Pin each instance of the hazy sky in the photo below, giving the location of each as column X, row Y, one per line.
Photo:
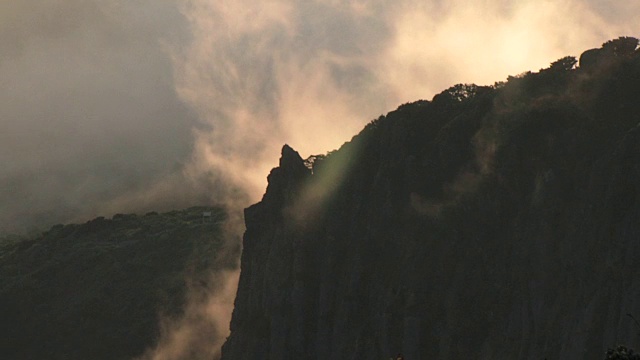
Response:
column 131, row 105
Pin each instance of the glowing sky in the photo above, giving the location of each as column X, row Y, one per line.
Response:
column 118, row 106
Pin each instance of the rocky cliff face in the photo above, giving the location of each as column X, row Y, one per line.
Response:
column 491, row 223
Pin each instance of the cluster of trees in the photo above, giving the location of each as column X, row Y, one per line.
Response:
column 97, row 290
column 620, row 47
column 621, row 353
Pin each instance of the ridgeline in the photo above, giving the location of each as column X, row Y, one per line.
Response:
column 492, row 222
column 99, row 290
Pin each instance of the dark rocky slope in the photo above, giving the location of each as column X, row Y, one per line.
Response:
column 494, row 222
column 98, row 290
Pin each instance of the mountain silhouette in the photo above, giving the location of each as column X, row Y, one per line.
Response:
column 491, row 222
column 99, row 290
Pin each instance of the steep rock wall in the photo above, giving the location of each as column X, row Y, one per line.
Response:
column 489, row 223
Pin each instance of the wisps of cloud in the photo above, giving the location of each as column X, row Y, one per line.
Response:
column 129, row 106
column 311, row 74
column 204, row 326
column 88, row 109
column 116, row 106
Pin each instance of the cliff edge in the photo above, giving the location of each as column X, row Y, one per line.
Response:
column 497, row 222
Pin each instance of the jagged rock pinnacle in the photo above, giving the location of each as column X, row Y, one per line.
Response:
column 290, row 157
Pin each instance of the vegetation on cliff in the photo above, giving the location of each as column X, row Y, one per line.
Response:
column 98, row 290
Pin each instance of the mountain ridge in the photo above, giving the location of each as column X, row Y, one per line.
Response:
column 490, row 222
column 109, row 288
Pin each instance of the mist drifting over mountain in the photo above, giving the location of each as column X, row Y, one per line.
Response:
column 116, row 107
column 490, row 222
column 111, row 106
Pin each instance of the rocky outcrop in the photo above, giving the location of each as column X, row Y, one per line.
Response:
column 490, row 223
column 593, row 59
column 264, row 291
